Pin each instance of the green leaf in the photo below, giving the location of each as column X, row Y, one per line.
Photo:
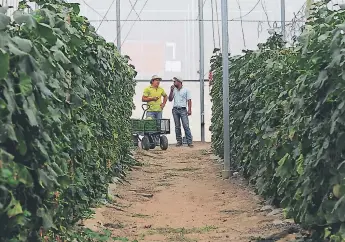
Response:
column 43, row 88
column 3, row 10
column 50, row 15
column 75, row 7
column 15, row 210
column 14, row 50
column 64, row 181
column 323, row 76
column 4, row 21
column 3, row 109
column 4, row 63
column 45, row 180
column 23, row 44
column 333, row 125
column 4, row 39
column 7, row 132
column 46, row 219
column 5, row 156
column 21, row 142
column 30, row 113
column 47, row 32
column 59, row 56
column 57, row 169
column 41, row 149
column 21, row 17
column 25, row 84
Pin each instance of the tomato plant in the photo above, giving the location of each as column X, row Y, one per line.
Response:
column 65, row 106
column 287, row 129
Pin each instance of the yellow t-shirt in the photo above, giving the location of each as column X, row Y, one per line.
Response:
column 150, row 91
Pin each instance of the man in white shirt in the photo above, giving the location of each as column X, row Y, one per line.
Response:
column 182, row 108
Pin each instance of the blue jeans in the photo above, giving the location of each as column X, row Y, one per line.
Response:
column 181, row 115
column 154, row 115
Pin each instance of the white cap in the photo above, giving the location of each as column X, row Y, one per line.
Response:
column 155, row 77
column 177, row 79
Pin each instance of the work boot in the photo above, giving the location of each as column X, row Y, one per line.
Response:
column 190, row 145
column 178, row 144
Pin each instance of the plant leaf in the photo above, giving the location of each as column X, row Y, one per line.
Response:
column 4, row 63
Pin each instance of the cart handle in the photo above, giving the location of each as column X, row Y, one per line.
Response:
column 145, row 104
column 145, row 109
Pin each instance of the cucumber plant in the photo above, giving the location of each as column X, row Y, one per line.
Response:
column 65, row 106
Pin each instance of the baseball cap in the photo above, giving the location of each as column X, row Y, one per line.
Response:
column 177, row 79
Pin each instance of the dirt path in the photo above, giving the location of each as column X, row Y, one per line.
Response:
column 179, row 195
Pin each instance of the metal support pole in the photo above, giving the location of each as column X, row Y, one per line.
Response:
column 282, row 7
column 118, row 25
column 201, row 69
column 225, row 55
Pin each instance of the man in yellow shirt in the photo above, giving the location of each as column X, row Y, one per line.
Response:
column 153, row 96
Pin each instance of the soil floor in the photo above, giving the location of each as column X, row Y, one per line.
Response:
column 179, row 195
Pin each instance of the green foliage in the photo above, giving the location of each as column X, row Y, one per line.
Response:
column 65, row 106
column 91, row 236
column 287, row 121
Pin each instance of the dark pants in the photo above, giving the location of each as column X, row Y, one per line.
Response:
column 181, row 115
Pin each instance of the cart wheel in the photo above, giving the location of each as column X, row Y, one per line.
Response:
column 164, row 142
column 145, row 143
column 152, row 142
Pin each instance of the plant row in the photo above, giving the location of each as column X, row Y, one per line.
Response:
column 65, row 106
column 287, row 121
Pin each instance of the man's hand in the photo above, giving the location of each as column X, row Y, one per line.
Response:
column 189, row 112
column 155, row 98
column 172, row 87
column 162, row 105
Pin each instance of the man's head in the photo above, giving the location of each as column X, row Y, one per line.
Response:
column 178, row 82
column 155, row 80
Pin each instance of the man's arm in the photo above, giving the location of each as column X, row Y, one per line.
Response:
column 165, row 99
column 190, row 107
column 171, row 95
column 189, row 101
column 146, row 97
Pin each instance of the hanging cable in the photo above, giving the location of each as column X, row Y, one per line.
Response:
column 132, row 6
column 244, row 39
column 134, row 23
column 250, row 11
column 214, row 39
column 105, row 15
column 203, row 5
column 263, row 5
column 92, row 9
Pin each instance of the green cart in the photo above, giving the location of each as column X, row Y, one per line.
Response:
column 151, row 132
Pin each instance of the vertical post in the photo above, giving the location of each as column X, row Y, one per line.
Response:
column 225, row 59
column 282, row 8
column 201, row 69
column 186, row 38
column 118, row 25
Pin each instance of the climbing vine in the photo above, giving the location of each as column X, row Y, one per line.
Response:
column 287, row 129
column 65, row 104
